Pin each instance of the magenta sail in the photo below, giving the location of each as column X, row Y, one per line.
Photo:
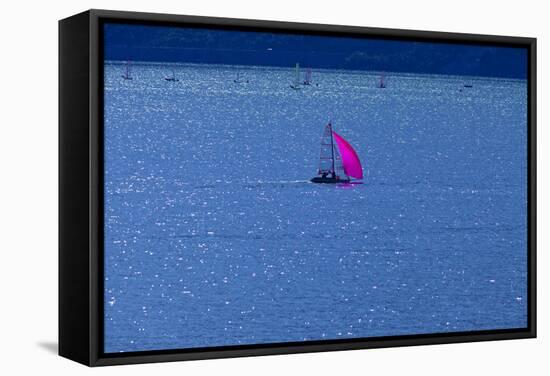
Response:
column 350, row 160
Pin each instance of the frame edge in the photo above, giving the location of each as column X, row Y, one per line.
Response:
column 73, row 257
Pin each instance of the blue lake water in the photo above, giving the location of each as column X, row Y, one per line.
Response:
column 214, row 235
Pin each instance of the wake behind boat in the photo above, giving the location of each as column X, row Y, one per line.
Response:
column 338, row 161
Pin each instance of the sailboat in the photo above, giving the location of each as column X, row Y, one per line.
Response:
column 296, row 84
column 338, row 162
column 127, row 75
column 382, row 82
column 238, row 79
column 307, row 77
column 171, row 78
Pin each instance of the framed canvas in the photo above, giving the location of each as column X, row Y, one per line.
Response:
column 236, row 187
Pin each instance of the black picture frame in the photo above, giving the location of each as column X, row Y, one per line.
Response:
column 81, row 188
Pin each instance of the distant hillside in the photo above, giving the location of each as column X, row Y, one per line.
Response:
column 170, row 44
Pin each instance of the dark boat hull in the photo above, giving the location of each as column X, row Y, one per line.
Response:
column 327, row 180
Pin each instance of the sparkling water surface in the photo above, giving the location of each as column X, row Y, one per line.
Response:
column 214, row 235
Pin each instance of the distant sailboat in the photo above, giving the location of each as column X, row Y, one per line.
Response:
column 296, row 84
column 381, row 82
column 307, row 77
column 171, row 78
column 238, row 79
column 338, row 162
column 127, row 75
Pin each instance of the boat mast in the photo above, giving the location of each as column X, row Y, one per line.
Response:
column 332, row 148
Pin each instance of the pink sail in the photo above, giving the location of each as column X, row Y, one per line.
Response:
column 350, row 160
